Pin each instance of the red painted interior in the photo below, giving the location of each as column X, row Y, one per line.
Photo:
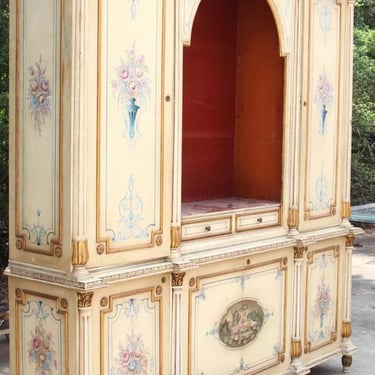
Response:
column 260, row 93
column 209, row 103
column 232, row 103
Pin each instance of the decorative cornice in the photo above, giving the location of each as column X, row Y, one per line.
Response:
column 178, row 278
column 80, row 253
column 84, row 299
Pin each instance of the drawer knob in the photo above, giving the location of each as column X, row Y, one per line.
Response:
column 208, row 228
column 259, row 220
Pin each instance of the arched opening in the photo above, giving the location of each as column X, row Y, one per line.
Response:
column 233, row 95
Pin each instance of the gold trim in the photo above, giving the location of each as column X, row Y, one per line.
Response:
column 346, row 330
column 299, row 251
column 64, row 304
column 21, row 238
column 178, row 278
column 293, row 218
column 58, row 251
column 84, row 299
column 156, row 235
column 175, row 237
column 21, row 301
column 103, row 301
column 296, row 349
column 80, row 252
column 109, row 309
column 346, row 210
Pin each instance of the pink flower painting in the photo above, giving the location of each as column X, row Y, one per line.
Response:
column 131, row 78
column 322, row 304
column 132, row 359
column 131, row 87
column 39, row 94
column 323, row 97
column 41, row 352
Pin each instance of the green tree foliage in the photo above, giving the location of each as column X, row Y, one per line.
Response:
column 4, row 125
column 363, row 145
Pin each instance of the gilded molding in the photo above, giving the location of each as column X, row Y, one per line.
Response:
column 58, row 251
column 346, row 330
column 19, row 293
column 192, row 282
column 298, row 251
column 80, row 253
column 175, row 237
column 84, row 299
column 178, row 278
column 296, row 349
column 104, row 302
column 346, row 210
column 332, row 209
column 158, row 240
column 100, row 248
column 19, row 245
column 293, row 219
column 64, row 303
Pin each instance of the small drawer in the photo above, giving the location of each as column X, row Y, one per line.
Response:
column 257, row 220
column 206, row 228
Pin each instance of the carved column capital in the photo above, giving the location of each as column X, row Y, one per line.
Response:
column 298, row 251
column 178, row 278
column 349, row 240
column 84, row 299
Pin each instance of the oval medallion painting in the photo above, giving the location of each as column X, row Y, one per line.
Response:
column 241, row 323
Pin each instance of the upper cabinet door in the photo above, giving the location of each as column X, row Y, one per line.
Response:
column 36, row 120
column 133, row 174
column 323, row 113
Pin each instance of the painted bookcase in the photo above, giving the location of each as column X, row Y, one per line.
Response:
column 180, row 186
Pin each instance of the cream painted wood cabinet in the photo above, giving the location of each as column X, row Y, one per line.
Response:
column 180, row 186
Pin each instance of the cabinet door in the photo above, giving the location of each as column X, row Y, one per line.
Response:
column 133, row 126
column 238, row 318
column 134, row 326
column 323, row 96
column 322, row 298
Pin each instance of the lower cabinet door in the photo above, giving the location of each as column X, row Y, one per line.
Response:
column 134, row 327
column 323, row 302
column 238, row 317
